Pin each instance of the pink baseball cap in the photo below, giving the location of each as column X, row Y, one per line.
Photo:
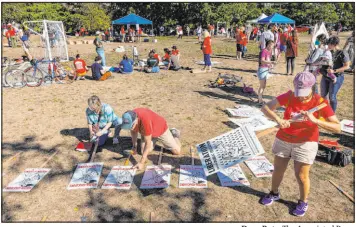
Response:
column 303, row 83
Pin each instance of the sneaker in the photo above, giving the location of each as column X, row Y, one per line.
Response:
column 301, row 209
column 175, row 132
column 115, row 141
column 268, row 199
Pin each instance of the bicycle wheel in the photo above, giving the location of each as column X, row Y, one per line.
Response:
column 33, row 77
column 15, row 78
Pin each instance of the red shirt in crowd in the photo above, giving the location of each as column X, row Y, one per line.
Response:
column 238, row 36
column 255, row 30
column 79, row 65
column 139, row 30
column 12, row 32
column 166, row 56
column 207, row 43
column 156, row 56
column 283, row 38
column 175, row 52
column 243, row 38
column 305, row 131
column 122, row 31
column 149, row 123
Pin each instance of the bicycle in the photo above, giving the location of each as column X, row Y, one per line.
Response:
column 36, row 74
column 12, row 71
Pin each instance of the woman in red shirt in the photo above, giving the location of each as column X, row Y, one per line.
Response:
column 298, row 136
column 207, row 51
column 123, row 33
column 243, row 43
column 292, row 51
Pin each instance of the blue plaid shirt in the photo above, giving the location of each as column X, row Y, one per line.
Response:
column 107, row 115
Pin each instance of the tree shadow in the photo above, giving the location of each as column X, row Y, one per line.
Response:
column 107, row 213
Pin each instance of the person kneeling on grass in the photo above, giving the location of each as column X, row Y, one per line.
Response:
column 298, row 139
column 173, row 62
column 101, row 118
column 152, row 64
column 97, row 70
column 167, row 56
column 152, row 127
column 80, row 68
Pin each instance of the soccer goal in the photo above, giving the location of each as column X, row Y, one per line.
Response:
column 47, row 39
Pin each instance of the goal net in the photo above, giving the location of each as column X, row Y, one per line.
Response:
column 47, row 40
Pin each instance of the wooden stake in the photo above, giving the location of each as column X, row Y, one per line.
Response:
column 266, row 132
column 94, row 151
column 127, row 161
column 160, row 156
column 342, row 191
column 49, row 159
column 192, row 155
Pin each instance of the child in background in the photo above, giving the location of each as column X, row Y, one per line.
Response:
column 166, row 58
column 80, row 68
column 175, row 51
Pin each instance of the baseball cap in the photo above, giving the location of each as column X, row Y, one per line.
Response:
column 127, row 119
column 303, row 83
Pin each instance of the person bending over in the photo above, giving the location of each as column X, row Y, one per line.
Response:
column 152, row 128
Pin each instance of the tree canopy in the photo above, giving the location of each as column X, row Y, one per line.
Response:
column 98, row 16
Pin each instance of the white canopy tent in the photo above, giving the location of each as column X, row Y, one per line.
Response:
column 255, row 21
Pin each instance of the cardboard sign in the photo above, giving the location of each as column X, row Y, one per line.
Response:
column 244, row 112
column 120, row 177
column 348, row 126
column 257, row 123
column 26, row 180
column 156, row 177
column 86, row 175
column 192, row 177
column 260, row 166
column 233, row 176
column 229, row 149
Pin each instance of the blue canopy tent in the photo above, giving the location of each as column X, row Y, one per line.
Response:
column 276, row 18
column 132, row 19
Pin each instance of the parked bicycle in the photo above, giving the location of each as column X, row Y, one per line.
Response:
column 46, row 72
column 12, row 72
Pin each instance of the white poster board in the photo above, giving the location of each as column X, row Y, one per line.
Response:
column 86, row 175
column 120, row 177
column 244, row 111
column 260, row 166
column 233, row 176
column 257, row 123
column 156, row 177
column 229, row 149
column 26, row 180
column 348, row 126
column 192, row 177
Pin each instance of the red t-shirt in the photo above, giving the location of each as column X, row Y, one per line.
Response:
column 122, row 31
column 150, row 123
column 166, row 56
column 238, row 36
column 305, row 131
column 175, row 52
column 284, row 38
column 139, row 31
column 207, row 43
column 243, row 37
column 12, row 32
column 7, row 34
column 156, row 56
column 255, row 30
column 79, row 65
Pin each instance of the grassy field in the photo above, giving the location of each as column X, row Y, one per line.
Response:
column 36, row 122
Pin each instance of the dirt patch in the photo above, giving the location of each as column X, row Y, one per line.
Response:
column 33, row 119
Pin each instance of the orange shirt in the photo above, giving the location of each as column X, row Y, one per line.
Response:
column 122, row 31
column 80, row 65
column 156, row 56
column 166, row 56
column 175, row 52
column 207, row 43
column 243, row 41
column 140, row 31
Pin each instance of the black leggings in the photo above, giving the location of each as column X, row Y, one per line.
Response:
column 291, row 60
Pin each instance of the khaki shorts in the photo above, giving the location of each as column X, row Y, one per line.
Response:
column 300, row 152
column 167, row 140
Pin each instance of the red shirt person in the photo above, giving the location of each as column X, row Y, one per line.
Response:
column 298, row 136
column 80, row 67
column 152, row 127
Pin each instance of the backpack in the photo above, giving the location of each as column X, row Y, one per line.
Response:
column 340, row 158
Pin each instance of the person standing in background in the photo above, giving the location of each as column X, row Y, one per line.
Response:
column 292, row 52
